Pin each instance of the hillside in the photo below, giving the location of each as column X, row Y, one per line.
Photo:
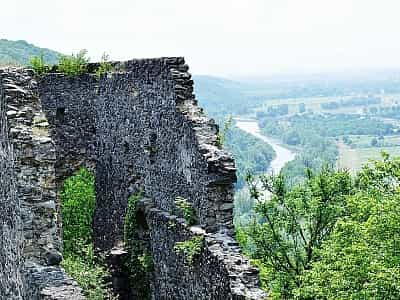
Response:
column 20, row 52
column 219, row 96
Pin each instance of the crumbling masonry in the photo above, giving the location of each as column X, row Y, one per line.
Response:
column 138, row 127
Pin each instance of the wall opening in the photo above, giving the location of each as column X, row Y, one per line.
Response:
column 60, row 114
column 139, row 262
column 78, row 201
column 151, row 148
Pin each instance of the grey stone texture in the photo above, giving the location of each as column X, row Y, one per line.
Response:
column 11, row 284
column 28, row 195
column 138, row 127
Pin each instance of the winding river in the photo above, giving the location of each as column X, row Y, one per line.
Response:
column 283, row 155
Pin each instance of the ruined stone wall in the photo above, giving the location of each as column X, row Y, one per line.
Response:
column 30, row 241
column 11, row 285
column 138, row 127
column 219, row 271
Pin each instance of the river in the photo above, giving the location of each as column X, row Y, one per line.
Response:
column 283, row 155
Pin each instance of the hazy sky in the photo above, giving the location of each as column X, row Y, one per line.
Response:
column 217, row 37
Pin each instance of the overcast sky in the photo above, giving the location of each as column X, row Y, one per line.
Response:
column 217, row 37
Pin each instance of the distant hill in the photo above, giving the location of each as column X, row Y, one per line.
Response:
column 20, row 52
column 220, row 96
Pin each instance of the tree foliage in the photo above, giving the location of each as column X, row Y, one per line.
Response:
column 294, row 222
column 332, row 237
column 78, row 201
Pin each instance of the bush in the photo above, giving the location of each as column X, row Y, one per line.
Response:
column 77, row 205
column 73, row 65
column 88, row 272
column 186, row 209
column 105, row 66
column 38, row 65
column 190, row 248
column 78, row 201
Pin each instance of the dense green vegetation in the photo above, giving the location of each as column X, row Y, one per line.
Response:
column 20, row 53
column 71, row 65
column 77, row 207
column 274, row 111
column 39, row 65
column 332, row 237
column 74, row 64
column 139, row 264
column 327, row 125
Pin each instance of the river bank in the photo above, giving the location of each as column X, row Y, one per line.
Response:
column 283, row 155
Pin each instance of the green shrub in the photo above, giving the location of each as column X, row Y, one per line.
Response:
column 88, row 272
column 75, row 64
column 78, row 202
column 38, row 65
column 105, row 66
column 186, row 209
column 190, row 248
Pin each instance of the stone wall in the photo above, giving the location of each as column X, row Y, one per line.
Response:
column 219, row 271
column 11, row 285
column 138, row 127
column 30, row 239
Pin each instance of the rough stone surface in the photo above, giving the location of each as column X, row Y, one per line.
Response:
column 11, row 285
column 50, row 283
column 219, row 271
column 28, row 196
column 138, row 127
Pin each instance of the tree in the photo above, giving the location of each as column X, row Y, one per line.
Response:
column 294, row 223
column 293, row 138
column 361, row 258
column 332, row 237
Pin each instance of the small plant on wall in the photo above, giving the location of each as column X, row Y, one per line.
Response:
column 105, row 66
column 190, row 248
column 75, row 64
column 186, row 209
column 39, row 65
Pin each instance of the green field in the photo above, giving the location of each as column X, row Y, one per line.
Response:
column 364, row 141
column 354, row 158
column 314, row 104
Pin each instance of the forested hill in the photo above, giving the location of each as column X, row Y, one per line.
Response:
column 219, row 96
column 20, row 52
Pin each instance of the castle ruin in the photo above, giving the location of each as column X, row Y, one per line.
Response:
column 137, row 128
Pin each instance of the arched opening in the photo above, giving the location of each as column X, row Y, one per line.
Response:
column 124, row 272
